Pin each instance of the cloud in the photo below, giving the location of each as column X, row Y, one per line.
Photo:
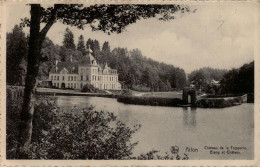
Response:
column 218, row 35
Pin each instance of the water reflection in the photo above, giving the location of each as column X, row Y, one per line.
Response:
column 163, row 127
column 189, row 117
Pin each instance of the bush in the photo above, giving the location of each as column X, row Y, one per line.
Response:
column 13, row 107
column 91, row 89
column 79, row 134
column 141, row 88
column 154, row 155
column 152, row 101
column 85, row 134
column 218, row 102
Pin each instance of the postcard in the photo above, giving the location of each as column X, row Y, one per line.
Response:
column 129, row 83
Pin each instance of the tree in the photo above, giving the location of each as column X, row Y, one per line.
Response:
column 105, row 52
column 106, row 18
column 89, row 43
column 96, row 51
column 81, row 44
column 237, row 81
column 68, row 40
column 198, row 79
column 49, row 53
column 17, row 49
column 95, row 47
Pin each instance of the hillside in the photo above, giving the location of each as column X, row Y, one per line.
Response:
column 135, row 70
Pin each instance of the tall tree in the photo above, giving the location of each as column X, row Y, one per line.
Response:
column 68, row 40
column 49, row 53
column 237, row 81
column 105, row 53
column 95, row 47
column 17, row 49
column 90, row 44
column 110, row 18
column 96, row 51
column 81, row 44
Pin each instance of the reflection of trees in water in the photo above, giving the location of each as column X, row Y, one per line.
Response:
column 189, row 117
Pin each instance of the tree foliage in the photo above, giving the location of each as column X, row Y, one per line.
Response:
column 80, row 133
column 95, row 47
column 16, row 52
column 85, row 134
column 81, row 45
column 49, row 53
column 135, row 69
column 68, row 40
column 237, row 81
column 202, row 78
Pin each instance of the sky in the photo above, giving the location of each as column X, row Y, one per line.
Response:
column 217, row 35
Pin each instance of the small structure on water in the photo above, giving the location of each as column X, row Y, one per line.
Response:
column 189, row 92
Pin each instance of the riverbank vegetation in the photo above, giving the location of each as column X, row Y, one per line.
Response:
column 91, row 89
column 218, row 102
column 223, row 82
column 238, row 81
column 151, row 101
column 77, row 134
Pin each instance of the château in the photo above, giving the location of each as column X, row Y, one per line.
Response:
column 75, row 74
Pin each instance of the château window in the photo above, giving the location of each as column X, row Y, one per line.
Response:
column 75, row 78
column 54, row 77
column 57, row 84
column 63, row 78
column 81, row 77
column 57, row 77
column 68, row 78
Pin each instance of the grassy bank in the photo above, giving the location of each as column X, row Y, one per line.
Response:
column 151, row 101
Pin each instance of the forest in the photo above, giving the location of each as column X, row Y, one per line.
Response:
column 234, row 81
column 135, row 70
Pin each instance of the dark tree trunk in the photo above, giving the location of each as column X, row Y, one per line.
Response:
column 31, row 82
column 35, row 42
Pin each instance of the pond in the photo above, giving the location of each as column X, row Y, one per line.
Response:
column 197, row 130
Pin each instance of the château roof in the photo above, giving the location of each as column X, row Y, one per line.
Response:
column 71, row 67
column 87, row 60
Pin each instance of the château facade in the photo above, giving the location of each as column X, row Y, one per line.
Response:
column 75, row 75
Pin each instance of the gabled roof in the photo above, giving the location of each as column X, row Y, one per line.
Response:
column 71, row 67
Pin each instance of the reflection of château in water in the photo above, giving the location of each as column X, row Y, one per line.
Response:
column 74, row 74
column 189, row 117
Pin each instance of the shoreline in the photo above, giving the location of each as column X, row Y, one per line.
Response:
column 76, row 94
column 151, row 99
